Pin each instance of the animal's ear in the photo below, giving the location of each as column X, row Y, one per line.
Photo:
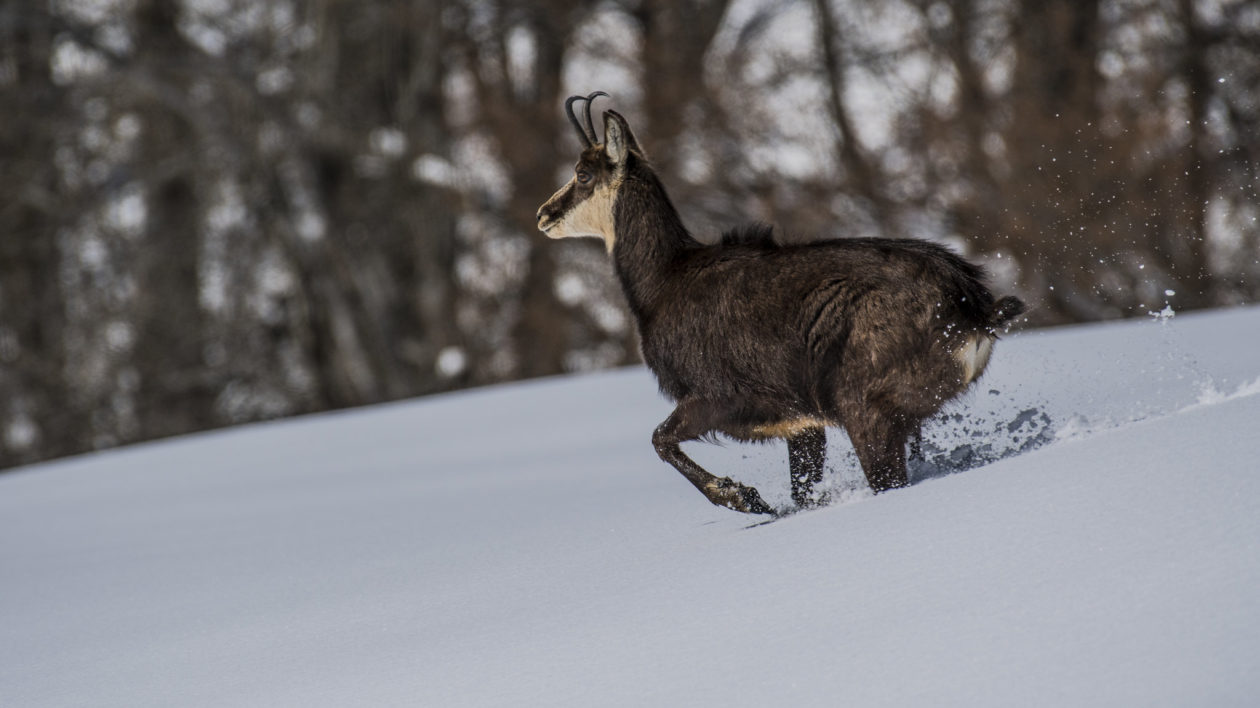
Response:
column 618, row 140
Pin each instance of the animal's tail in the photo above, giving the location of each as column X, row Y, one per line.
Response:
column 1005, row 310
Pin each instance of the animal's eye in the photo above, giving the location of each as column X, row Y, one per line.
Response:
column 583, row 177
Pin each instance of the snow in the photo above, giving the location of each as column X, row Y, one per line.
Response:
column 522, row 545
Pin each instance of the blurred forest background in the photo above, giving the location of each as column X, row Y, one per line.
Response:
column 221, row 211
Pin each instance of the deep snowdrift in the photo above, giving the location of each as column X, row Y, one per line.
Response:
column 1085, row 532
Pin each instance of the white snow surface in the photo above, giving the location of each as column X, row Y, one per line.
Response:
column 1085, row 532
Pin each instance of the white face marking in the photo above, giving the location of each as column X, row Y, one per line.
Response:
column 592, row 217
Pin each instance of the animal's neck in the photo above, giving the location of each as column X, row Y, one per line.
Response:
column 650, row 236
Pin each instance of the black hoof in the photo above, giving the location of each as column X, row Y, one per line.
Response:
column 754, row 503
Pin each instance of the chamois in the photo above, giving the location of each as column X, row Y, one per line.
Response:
column 756, row 340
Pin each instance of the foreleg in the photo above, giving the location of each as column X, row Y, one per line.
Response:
column 691, row 420
column 807, row 451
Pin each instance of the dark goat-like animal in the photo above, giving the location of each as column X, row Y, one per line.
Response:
column 755, row 340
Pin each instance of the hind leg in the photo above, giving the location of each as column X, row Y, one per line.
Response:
column 807, row 451
column 692, row 419
column 880, row 443
column 916, row 443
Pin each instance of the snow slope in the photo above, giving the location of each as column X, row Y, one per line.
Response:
column 1085, row 532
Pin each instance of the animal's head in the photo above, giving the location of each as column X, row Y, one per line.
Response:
column 584, row 206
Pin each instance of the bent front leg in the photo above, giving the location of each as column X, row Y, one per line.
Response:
column 807, row 451
column 689, row 421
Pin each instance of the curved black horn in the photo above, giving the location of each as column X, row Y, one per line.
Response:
column 586, row 132
column 568, row 108
column 590, row 125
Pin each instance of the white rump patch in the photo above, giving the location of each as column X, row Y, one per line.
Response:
column 974, row 356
